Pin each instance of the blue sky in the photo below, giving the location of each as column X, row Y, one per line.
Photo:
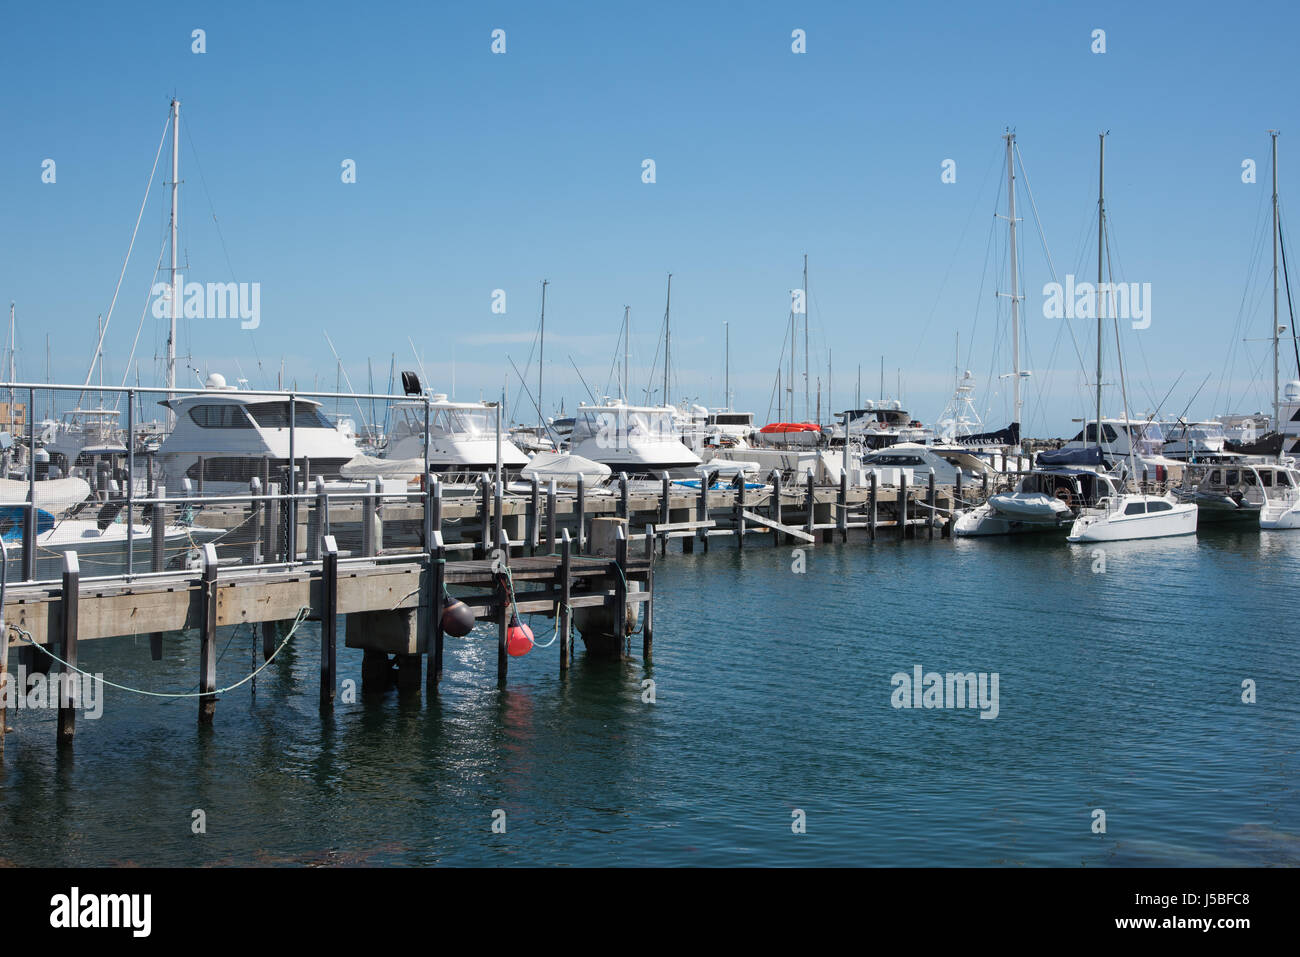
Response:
column 478, row 172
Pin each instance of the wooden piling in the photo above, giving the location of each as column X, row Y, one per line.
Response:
column 774, row 506
column 703, row 514
column 648, row 609
column 68, row 647
column 329, row 620
column 931, row 501
column 208, row 638
column 738, row 518
column 664, row 509
column 620, row 586
column 562, row 611
column 485, row 506
column 810, row 499
column 901, row 509
column 158, row 557
column 503, row 619
column 498, row 514
column 622, row 495
column 872, row 498
column 843, row 521
column 552, row 517
column 437, row 602
column 534, row 519
column 369, row 547
column 582, row 514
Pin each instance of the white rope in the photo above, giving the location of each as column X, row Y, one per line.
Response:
column 302, row 616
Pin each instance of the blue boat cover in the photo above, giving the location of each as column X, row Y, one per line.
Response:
column 12, row 519
column 1089, row 456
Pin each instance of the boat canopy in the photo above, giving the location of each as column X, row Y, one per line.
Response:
column 1092, row 455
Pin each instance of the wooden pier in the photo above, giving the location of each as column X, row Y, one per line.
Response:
column 375, row 569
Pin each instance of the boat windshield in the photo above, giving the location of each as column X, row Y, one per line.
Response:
column 631, row 425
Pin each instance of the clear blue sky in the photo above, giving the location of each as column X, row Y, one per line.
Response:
column 478, row 171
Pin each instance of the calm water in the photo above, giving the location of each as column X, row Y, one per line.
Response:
column 1119, row 690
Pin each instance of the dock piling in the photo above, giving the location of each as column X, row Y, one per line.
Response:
column 329, row 619
column 158, row 556
column 68, row 646
column 438, row 576
column 208, row 638
column 563, row 613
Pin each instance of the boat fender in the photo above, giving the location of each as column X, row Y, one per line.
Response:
column 457, row 619
column 519, row 638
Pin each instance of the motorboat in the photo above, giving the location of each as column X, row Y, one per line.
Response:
column 462, row 436
column 631, row 438
column 224, row 437
column 100, row 543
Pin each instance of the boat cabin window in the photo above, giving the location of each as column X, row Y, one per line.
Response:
column 1284, row 480
column 1159, row 507
column 907, row 461
column 275, row 415
column 730, row 418
column 616, row 424
column 1135, row 508
column 1216, row 477
column 1089, row 435
column 1232, row 478
column 225, row 416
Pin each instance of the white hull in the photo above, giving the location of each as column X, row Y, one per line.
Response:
column 104, row 552
column 1114, row 525
column 1280, row 519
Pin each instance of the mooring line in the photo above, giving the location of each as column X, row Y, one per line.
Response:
column 302, row 616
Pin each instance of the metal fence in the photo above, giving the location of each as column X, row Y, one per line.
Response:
column 261, row 474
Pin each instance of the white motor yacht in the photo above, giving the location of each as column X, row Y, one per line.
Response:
column 631, row 438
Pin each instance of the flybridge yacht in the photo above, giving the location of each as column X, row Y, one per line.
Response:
column 462, row 436
column 83, row 441
column 631, row 438
column 1119, row 439
column 224, row 436
column 882, row 424
column 1188, row 440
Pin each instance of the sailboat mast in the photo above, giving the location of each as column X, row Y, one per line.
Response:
column 726, row 361
column 1101, row 242
column 668, row 335
column 1277, row 423
column 627, row 348
column 1015, row 299
column 541, row 350
column 175, row 292
column 806, row 409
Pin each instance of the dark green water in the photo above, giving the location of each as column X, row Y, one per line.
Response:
column 1119, row 690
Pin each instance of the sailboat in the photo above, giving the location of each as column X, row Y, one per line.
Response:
column 1129, row 514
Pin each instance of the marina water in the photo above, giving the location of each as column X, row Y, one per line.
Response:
column 1119, row 689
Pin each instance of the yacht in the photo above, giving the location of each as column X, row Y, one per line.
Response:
column 922, row 459
column 1194, row 440
column 881, row 424
column 631, row 438
column 1134, row 515
column 462, row 436
column 84, row 442
column 224, row 437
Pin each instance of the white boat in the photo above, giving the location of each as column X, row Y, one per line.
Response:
column 630, row 438
column 100, row 544
column 1194, row 440
column 223, row 437
column 1024, row 510
column 462, row 436
column 1134, row 515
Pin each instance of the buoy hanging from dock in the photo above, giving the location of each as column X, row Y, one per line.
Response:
column 457, row 619
column 519, row 638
